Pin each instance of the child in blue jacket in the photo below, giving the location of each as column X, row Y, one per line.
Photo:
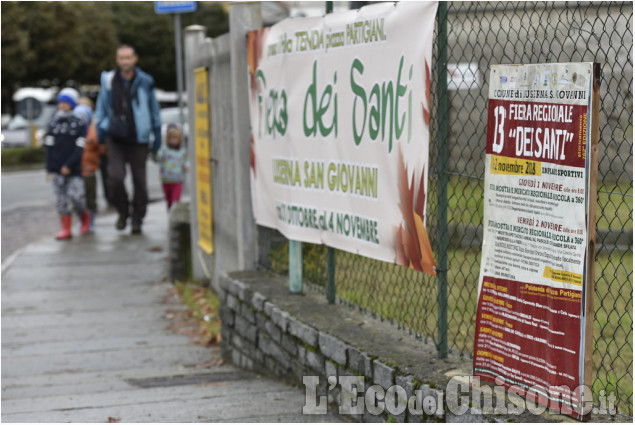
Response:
column 64, row 141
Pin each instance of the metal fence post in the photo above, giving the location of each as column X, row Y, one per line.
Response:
column 330, row 275
column 295, row 267
column 193, row 39
column 178, row 42
column 442, row 182
column 243, row 17
column 330, row 252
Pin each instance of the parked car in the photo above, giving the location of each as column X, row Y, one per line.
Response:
column 16, row 131
column 47, row 95
column 171, row 116
column 5, row 120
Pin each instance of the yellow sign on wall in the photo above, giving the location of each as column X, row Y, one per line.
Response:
column 202, row 150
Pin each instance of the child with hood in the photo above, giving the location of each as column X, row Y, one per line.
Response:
column 65, row 141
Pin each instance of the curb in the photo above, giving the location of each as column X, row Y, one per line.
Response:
column 11, row 258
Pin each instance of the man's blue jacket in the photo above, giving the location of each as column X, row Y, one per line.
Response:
column 145, row 108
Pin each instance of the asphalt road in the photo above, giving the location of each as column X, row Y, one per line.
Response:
column 28, row 208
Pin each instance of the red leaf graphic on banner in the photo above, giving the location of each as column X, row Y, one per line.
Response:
column 402, row 259
column 426, row 115
column 421, row 196
column 428, row 83
column 255, row 42
column 412, row 243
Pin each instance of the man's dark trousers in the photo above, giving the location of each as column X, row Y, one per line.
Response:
column 135, row 154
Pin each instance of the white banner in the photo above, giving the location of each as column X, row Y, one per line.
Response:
column 340, row 109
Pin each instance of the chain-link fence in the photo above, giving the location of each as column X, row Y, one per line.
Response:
column 479, row 35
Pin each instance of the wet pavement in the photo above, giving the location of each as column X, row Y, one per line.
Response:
column 88, row 336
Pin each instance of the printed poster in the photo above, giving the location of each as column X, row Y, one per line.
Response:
column 340, row 110
column 530, row 315
column 202, row 149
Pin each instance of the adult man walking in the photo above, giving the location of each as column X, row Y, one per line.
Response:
column 128, row 121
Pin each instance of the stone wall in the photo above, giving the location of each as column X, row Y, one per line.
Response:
column 299, row 338
column 180, row 247
column 260, row 335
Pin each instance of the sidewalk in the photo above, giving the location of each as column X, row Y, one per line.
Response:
column 85, row 338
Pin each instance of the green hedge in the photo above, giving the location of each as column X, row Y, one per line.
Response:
column 12, row 157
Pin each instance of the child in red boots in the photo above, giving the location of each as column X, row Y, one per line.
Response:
column 64, row 143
